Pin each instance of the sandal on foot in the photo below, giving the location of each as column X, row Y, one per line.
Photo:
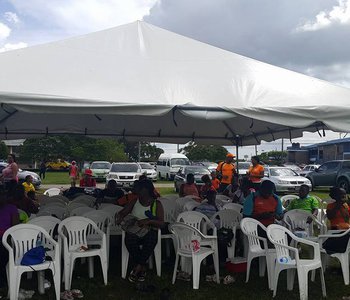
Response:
column 67, row 295
column 229, row 279
column 77, row 293
column 132, row 277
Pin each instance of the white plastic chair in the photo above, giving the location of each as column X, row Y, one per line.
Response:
column 54, row 203
column 180, row 203
column 288, row 259
column 73, row 206
column 266, row 256
column 58, row 211
column 223, row 198
column 73, row 231
column 52, row 192
column 85, row 199
column 172, row 197
column 190, row 205
column 112, row 211
column 184, row 235
column 228, row 218
column 197, row 220
column 103, row 205
column 18, row 240
column 234, row 206
column 80, row 211
column 48, row 223
column 342, row 257
column 169, row 207
column 285, row 200
column 60, row 197
column 298, row 218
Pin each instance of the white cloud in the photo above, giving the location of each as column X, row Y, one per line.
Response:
column 9, row 46
column 339, row 14
column 84, row 16
column 11, row 17
column 4, row 31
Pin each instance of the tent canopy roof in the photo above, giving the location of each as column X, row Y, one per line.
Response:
column 139, row 81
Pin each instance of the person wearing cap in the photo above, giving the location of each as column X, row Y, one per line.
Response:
column 87, row 180
column 73, row 173
column 226, row 172
column 255, row 172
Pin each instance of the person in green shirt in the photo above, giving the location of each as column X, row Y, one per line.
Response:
column 305, row 201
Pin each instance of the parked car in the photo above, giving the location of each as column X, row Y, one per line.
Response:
column 57, row 165
column 124, row 174
column 148, row 170
column 100, row 169
column 295, row 168
column 308, row 169
column 169, row 164
column 285, row 179
column 211, row 166
column 243, row 167
column 197, row 171
column 332, row 173
column 22, row 174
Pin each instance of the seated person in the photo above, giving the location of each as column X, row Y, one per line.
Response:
column 28, row 184
column 87, row 180
column 156, row 192
column 209, row 207
column 263, row 205
column 189, row 188
column 149, row 216
column 207, row 186
column 338, row 212
column 111, row 193
column 243, row 191
column 305, row 201
column 21, row 201
column 214, row 181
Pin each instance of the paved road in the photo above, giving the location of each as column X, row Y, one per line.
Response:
column 101, row 185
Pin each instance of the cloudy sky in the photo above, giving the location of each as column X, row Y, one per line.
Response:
column 308, row 36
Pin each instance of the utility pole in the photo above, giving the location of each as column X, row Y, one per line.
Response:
column 256, row 150
column 282, row 148
column 139, row 151
column 178, row 148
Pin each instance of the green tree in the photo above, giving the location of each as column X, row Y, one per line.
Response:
column 149, row 152
column 273, row 157
column 204, row 152
column 3, row 150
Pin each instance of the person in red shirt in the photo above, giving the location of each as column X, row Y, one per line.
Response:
column 206, row 187
column 338, row 212
column 87, row 180
column 189, row 188
column 214, row 181
column 73, row 173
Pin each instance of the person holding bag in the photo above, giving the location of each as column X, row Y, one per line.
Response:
column 140, row 219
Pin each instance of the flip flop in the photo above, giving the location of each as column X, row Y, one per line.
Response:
column 67, row 295
column 77, row 293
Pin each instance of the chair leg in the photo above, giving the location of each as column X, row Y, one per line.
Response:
column 344, row 262
column 104, row 266
column 303, row 284
column 15, row 284
column 275, row 280
column 158, row 257
column 125, row 257
column 175, row 268
column 66, row 272
column 262, row 266
column 70, row 274
column 196, row 269
column 56, row 280
column 249, row 261
column 91, row 266
column 41, row 278
column 290, row 279
column 216, row 266
column 270, row 259
column 323, row 283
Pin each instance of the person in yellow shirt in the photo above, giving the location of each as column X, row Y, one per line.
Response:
column 28, row 184
column 226, row 172
column 256, row 172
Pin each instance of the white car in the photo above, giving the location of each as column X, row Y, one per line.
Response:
column 307, row 169
column 243, row 167
column 148, row 170
column 285, row 179
column 100, row 169
column 124, row 174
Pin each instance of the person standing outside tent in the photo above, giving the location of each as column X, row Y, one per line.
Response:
column 9, row 174
column 73, row 173
column 42, row 169
column 256, row 172
column 226, row 172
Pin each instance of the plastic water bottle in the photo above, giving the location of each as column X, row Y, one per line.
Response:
column 39, row 243
column 284, row 260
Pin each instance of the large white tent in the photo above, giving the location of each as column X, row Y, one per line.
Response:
column 141, row 82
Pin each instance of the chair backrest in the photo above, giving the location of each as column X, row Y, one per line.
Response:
column 57, row 211
column 74, row 231
column 74, row 205
column 285, row 200
column 196, row 220
column 80, row 211
column 234, row 206
column 227, row 218
column 169, row 207
column 53, row 203
column 223, row 198
column 60, row 197
column 19, row 239
column 42, row 198
column 180, row 203
column 49, row 223
column 52, row 192
column 250, row 227
column 184, row 234
column 297, row 218
column 190, row 205
column 86, row 199
column 278, row 235
column 171, row 197
column 100, row 217
column 112, row 211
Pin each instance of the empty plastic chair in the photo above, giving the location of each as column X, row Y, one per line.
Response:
column 80, row 211
column 234, row 206
column 52, row 192
column 52, row 210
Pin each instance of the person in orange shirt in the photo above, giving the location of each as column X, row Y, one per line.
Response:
column 338, row 212
column 226, row 170
column 214, row 181
column 256, row 172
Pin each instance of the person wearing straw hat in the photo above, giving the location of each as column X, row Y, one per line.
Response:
column 225, row 172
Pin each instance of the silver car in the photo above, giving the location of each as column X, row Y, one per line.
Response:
column 308, row 169
column 285, row 179
column 148, row 170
